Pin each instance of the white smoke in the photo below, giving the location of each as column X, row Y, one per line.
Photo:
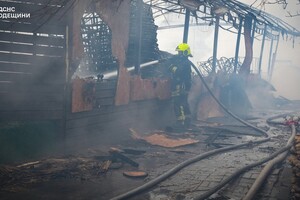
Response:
column 285, row 77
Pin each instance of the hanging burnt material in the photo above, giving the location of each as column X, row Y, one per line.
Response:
column 149, row 46
column 96, row 38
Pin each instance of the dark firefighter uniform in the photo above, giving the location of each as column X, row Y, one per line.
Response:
column 180, row 70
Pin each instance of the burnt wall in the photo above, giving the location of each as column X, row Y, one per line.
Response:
column 149, row 46
column 32, row 62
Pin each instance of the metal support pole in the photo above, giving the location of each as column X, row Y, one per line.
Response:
column 273, row 60
column 66, row 93
column 246, row 66
column 215, row 50
column 186, row 26
column 139, row 17
column 237, row 47
column 262, row 50
column 270, row 56
column 253, row 32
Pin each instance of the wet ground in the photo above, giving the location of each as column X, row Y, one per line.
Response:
column 187, row 183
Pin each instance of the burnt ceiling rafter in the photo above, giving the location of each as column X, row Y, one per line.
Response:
column 230, row 11
column 163, row 10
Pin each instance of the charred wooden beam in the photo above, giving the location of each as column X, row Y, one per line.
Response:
column 117, row 153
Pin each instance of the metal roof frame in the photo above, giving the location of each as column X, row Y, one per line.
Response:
column 229, row 11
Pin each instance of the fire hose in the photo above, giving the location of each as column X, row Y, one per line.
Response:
column 224, row 107
column 180, row 166
column 197, row 158
column 266, row 170
column 177, row 168
column 262, row 175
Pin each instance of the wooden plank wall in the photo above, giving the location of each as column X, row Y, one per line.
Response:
column 32, row 63
column 105, row 93
column 85, row 129
column 32, row 76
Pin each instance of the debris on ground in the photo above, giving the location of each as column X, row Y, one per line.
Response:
column 18, row 178
column 135, row 174
column 219, row 197
column 179, row 151
column 117, row 153
column 29, row 164
column 294, row 159
column 133, row 151
column 267, row 149
column 234, row 129
column 159, row 138
column 210, row 140
column 105, row 166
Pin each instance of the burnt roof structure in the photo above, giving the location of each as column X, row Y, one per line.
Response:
column 239, row 18
column 230, row 11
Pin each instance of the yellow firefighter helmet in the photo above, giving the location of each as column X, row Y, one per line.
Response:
column 185, row 49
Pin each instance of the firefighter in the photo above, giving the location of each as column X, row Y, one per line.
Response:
column 180, row 70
